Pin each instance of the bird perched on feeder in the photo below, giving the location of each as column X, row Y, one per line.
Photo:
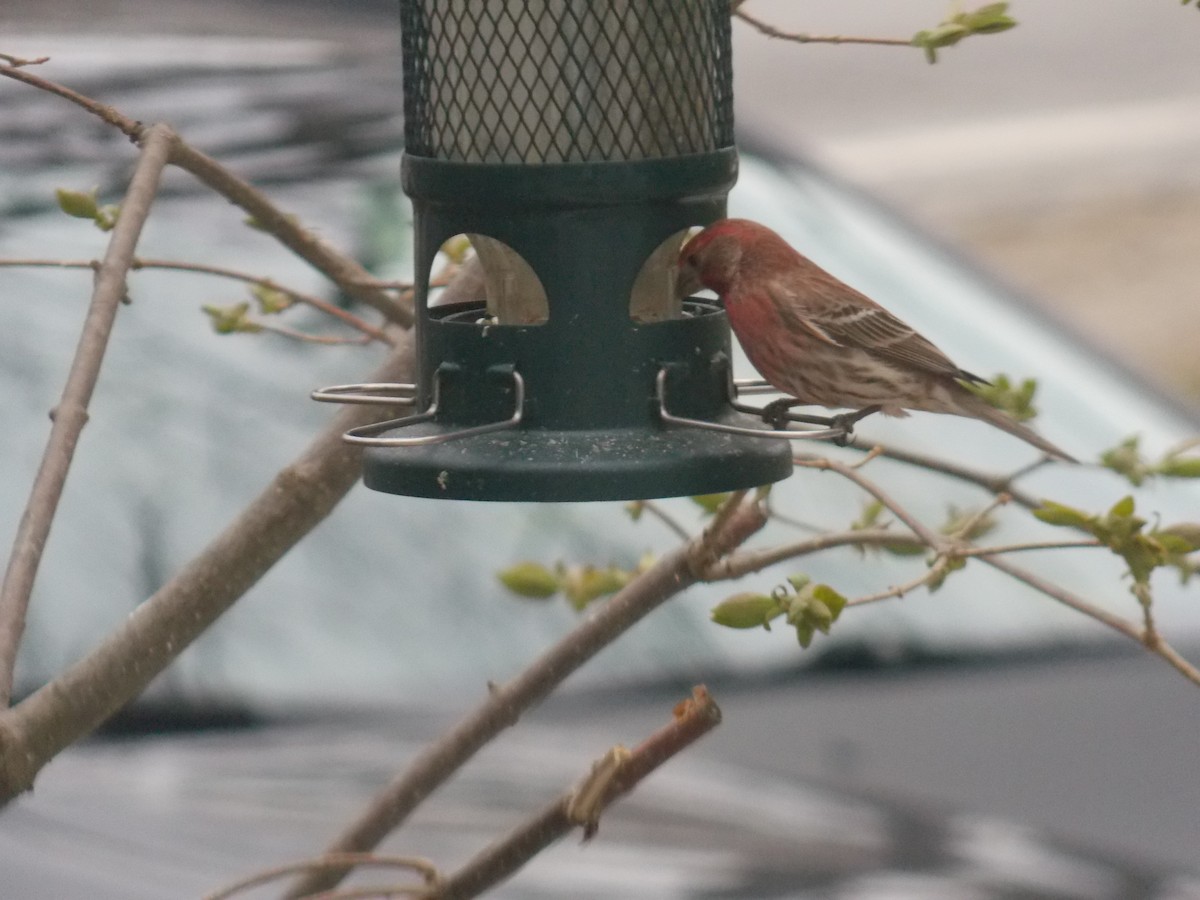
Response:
column 821, row 341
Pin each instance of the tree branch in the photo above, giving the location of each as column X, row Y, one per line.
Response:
column 997, row 484
column 71, row 413
column 505, row 703
column 747, row 562
column 140, row 263
column 612, row 776
column 17, row 61
column 772, row 32
column 930, row 538
column 935, row 571
column 293, row 334
column 87, row 693
column 422, row 867
column 1157, row 646
column 340, row 269
column 347, row 274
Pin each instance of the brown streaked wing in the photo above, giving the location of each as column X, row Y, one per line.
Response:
column 863, row 324
column 877, row 330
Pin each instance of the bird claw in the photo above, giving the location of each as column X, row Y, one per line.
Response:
column 778, row 415
column 845, row 422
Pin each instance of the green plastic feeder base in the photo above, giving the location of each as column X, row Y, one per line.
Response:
column 553, row 466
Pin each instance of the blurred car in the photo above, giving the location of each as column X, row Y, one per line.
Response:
column 889, row 761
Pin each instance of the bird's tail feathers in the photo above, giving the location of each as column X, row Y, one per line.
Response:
column 971, row 405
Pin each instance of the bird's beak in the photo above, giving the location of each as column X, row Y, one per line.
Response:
column 687, row 282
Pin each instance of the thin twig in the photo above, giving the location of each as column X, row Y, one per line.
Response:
column 989, row 482
column 129, row 127
column 71, row 413
column 931, row 538
column 422, row 867
column 704, row 553
column 17, row 61
column 373, row 892
column 340, row 269
column 772, row 32
column 1031, row 467
column 667, row 519
column 791, row 521
column 1159, row 647
column 293, row 334
column 505, row 703
column 935, row 571
column 140, row 263
column 1150, row 636
column 1021, row 547
column 300, row 496
column 316, row 303
column 747, row 562
column 618, row 773
column 963, row 531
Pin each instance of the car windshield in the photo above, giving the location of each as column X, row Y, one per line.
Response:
column 398, row 597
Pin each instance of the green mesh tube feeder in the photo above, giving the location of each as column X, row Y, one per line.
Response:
column 574, row 143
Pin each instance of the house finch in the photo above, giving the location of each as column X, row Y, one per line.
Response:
column 821, row 341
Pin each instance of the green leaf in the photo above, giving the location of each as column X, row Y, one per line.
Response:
column 955, row 564
column 231, row 319
column 820, row 615
column 904, row 549
column 457, row 248
column 1142, row 557
column 989, row 19
column 798, row 582
column 815, row 608
column 106, row 216
column 80, row 204
column 1007, row 396
column 1173, row 543
column 1126, row 460
column 1189, row 532
column 869, row 518
column 747, row 610
column 1179, row 467
column 1059, row 514
column 1122, row 508
column 635, row 508
column 958, row 519
column 583, row 584
column 921, row 39
column 804, row 633
column 530, row 579
column 710, row 503
column 831, row 598
column 948, row 34
column 270, row 300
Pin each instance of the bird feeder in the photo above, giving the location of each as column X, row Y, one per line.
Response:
column 573, row 143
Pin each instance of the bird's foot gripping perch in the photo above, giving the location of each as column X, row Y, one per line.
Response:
column 778, row 414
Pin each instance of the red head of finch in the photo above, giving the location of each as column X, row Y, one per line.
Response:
column 821, row 341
